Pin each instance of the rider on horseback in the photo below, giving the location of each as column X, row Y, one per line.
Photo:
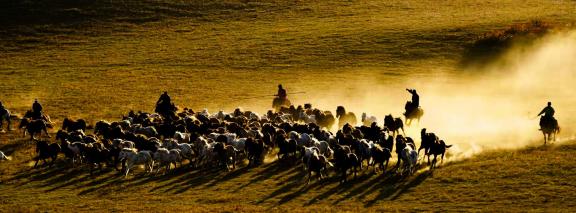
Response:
column 414, row 104
column 548, row 112
column 280, row 100
column 36, row 110
column 281, row 92
column 163, row 105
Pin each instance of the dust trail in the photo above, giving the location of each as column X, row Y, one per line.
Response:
column 494, row 110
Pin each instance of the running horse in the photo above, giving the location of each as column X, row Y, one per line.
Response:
column 549, row 128
column 278, row 103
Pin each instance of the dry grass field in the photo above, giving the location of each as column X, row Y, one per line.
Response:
column 99, row 59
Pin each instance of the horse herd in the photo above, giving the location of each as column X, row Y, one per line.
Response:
column 201, row 140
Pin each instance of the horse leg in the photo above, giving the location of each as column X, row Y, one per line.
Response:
column 53, row 159
column 385, row 167
column 433, row 166
column 36, row 164
column 45, row 131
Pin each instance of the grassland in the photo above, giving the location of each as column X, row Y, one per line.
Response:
column 99, row 59
column 221, row 52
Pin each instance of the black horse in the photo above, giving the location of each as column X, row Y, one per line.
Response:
column 73, row 125
column 45, row 151
column 33, row 127
column 411, row 114
column 393, row 124
column 278, row 103
column 549, row 128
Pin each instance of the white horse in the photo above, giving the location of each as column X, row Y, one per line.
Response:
column 409, row 158
column 134, row 158
column 167, row 157
column 368, row 120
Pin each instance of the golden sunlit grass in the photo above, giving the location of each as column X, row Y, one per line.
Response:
column 99, row 59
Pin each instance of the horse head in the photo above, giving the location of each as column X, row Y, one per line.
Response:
column 340, row 111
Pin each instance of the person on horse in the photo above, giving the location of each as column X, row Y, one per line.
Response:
column 414, row 104
column 36, row 110
column 163, row 105
column 548, row 112
column 281, row 92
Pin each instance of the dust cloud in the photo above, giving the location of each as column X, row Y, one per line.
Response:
column 496, row 109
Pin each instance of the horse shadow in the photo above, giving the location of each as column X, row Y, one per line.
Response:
column 268, row 171
column 17, row 145
column 395, row 191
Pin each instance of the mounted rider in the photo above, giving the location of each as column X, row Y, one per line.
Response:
column 37, row 110
column 414, row 104
column 281, row 92
column 164, row 104
column 548, row 112
column 280, row 100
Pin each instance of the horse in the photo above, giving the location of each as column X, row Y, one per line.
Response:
column 393, row 124
column 345, row 117
column 45, row 151
column 324, row 119
column 549, row 128
column 345, row 160
column 5, row 116
column 73, row 125
column 278, row 103
column 436, row 149
column 33, row 127
column 428, row 139
column 413, row 114
column 407, row 154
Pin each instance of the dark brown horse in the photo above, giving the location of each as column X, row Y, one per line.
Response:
column 73, row 125
column 33, row 127
column 278, row 103
column 393, row 124
column 345, row 117
column 438, row 148
column 413, row 114
column 549, row 128
column 45, row 151
column 324, row 119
